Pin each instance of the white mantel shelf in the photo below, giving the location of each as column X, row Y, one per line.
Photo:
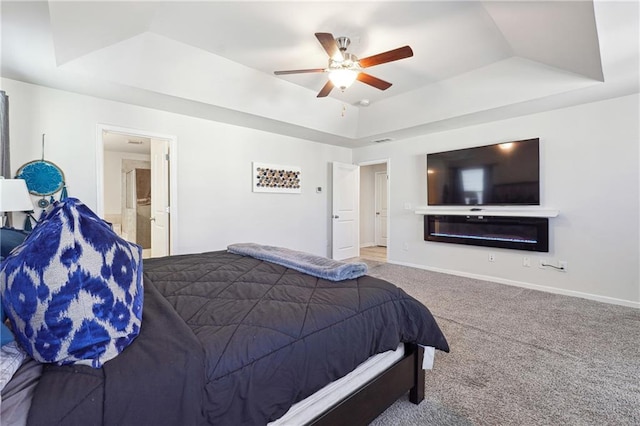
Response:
column 488, row 211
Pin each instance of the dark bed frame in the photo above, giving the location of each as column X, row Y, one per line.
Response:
column 374, row 397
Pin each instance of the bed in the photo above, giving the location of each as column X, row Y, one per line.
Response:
column 229, row 339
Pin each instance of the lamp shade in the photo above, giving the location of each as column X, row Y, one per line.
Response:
column 14, row 196
column 342, row 78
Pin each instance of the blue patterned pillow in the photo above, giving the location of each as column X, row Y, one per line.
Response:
column 73, row 290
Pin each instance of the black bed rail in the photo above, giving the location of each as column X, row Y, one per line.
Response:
column 368, row 402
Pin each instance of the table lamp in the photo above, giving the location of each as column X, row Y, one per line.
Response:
column 14, row 197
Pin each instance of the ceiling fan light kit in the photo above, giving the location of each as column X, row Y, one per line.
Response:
column 344, row 68
column 342, row 77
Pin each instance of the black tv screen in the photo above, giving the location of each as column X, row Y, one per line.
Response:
column 500, row 174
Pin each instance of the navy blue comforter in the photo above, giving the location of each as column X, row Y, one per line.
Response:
column 232, row 340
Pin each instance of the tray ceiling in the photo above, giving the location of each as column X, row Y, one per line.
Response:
column 473, row 61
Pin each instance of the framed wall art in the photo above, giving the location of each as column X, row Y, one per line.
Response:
column 276, row 178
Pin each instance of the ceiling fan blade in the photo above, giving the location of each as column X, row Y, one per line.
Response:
column 326, row 89
column 391, row 55
column 329, row 43
column 373, row 81
column 298, row 71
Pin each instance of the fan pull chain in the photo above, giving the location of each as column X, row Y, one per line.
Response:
column 344, row 109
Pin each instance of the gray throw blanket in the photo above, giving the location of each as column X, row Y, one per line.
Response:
column 317, row 266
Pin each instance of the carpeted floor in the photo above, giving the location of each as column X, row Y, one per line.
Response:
column 521, row 357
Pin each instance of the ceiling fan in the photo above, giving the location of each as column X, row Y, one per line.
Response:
column 344, row 68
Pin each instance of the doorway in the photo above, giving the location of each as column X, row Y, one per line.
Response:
column 133, row 187
column 374, row 205
column 131, row 219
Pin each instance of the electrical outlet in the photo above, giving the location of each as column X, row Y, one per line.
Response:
column 526, row 261
column 492, row 257
column 405, row 246
column 563, row 265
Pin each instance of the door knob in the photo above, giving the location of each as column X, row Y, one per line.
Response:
column 378, row 213
column 152, row 219
column 335, row 216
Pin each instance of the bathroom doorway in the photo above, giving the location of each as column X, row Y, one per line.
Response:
column 135, row 188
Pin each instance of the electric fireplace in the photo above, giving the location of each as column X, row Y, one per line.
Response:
column 519, row 233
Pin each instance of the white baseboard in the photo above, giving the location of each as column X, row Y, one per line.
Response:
column 573, row 293
column 362, row 245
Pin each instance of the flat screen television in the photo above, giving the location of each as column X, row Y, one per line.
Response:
column 500, row 174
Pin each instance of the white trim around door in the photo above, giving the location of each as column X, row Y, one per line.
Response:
column 173, row 172
column 386, row 161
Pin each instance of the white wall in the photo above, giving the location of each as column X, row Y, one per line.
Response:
column 589, row 171
column 215, row 204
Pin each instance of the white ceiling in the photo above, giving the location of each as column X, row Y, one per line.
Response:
column 120, row 142
column 474, row 61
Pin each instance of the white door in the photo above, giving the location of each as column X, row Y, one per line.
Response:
column 382, row 182
column 159, row 198
column 129, row 224
column 345, row 208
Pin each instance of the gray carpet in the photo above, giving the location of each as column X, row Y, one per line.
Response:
column 521, row 357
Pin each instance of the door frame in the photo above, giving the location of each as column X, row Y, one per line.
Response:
column 386, row 161
column 173, row 172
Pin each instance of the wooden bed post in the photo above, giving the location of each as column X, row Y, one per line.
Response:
column 416, row 394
